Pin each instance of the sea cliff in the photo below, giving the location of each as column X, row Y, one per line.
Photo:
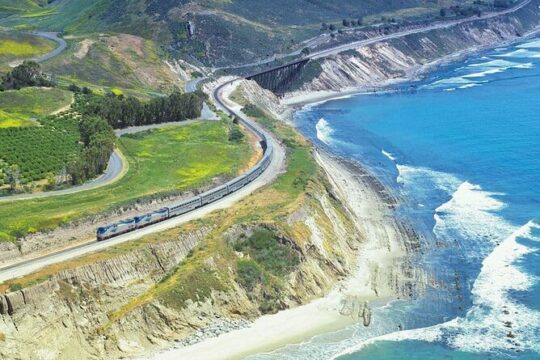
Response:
column 408, row 57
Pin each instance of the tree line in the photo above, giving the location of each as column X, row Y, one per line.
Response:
column 121, row 112
column 26, row 74
column 102, row 114
column 98, row 140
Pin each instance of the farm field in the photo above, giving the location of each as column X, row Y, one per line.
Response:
column 38, row 150
column 20, row 46
column 19, row 107
column 171, row 159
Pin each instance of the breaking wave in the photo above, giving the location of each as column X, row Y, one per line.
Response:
column 324, row 131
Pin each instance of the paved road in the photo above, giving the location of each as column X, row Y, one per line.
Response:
column 314, row 42
column 52, row 36
column 275, row 167
column 265, row 178
column 115, row 169
column 444, row 25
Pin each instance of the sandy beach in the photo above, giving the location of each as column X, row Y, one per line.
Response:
column 380, row 253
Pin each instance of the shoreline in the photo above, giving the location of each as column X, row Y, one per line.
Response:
column 267, row 333
column 383, row 248
column 300, row 100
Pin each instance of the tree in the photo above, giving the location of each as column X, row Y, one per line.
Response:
column 74, row 88
column 353, row 23
column 306, row 51
column 332, row 27
column 346, row 22
column 324, row 26
column 443, row 12
column 51, row 180
column 25, row 75
column 235, row 134
column 76, row 172
column 359, row 21
column 13, row 176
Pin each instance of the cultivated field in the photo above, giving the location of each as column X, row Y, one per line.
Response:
column 168, row 160
column 38, row 150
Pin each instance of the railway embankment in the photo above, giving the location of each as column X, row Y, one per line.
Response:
column 188, row 284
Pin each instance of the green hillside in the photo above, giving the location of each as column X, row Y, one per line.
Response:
column 261, row 27
column 15, row 46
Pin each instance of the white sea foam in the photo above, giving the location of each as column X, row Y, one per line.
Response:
column 411, row 175
column 457, row 80
column 535, row 44
column 483, row 328
column 388, row 155
column 494, row 63
column 469, row 86
column 495, row 66
column 472, row 213
column 324, row 131
column 520, row 54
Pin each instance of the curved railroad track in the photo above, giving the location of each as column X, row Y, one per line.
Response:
column 274, row 167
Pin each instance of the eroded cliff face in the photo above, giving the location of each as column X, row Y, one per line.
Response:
column 190, row 283
column 400, row 59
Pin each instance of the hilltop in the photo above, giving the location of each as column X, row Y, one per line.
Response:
column 221, row 33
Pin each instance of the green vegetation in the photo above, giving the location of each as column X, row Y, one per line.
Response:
column 268, row 258
column 27, row 74
column 19, row 107
column 185, row 157
column 38, row 150
column 262, row 27
column 98, row 140
column 270, row 261
column 121, row 112
column 267, row 250
column 20, row 46
column 8, row 120
column 122, row 64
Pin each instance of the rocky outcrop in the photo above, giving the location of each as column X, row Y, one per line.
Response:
column 152, row 263
column 404, row 58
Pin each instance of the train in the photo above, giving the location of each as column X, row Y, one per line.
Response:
column 185, row 206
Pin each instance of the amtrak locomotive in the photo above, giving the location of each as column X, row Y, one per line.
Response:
column 137, row 222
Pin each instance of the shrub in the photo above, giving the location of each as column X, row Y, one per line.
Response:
column 269, row 253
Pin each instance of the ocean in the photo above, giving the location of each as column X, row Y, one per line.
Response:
column 461, row 148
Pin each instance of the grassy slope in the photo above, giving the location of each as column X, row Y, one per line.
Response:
column 18, row 107
column 262, row 27
column 118, row 61
column 167, row 160
column 19, row 46
column 194, row 279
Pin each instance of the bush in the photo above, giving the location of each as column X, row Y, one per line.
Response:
column 275, row 257
column 235, row 134
column 25, row 75
column 250, row 274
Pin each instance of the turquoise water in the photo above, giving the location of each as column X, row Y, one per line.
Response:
column 463, row 149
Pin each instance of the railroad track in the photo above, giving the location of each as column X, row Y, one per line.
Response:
column 277, row 160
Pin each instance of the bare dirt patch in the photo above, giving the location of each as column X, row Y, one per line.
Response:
column 85, row 46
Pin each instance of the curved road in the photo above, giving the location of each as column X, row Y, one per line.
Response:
column 314, row 42
column 273, row 170
column 51, row 36
column 266, row 177
column 115, row 169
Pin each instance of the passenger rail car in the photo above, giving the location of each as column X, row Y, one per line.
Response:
column 140, row 221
